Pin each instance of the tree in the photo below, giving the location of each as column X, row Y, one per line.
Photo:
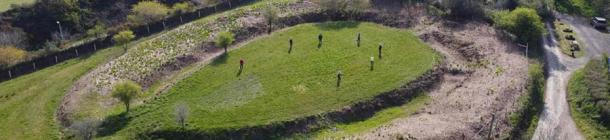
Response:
column 460, row 9
column 181, row 8
column 97, row 30
column 182, row 113
column 123, row 37
column 126, row 92
column 270, row 13
column 85, row 129
column 146, row 12
column 224, row 39
column 10, row 55
column 524, row 23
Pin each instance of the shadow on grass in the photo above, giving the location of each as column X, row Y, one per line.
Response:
column 222, row 59
column 112, row 124
column 337, row 25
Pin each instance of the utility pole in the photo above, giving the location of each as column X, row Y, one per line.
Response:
column 61, row 34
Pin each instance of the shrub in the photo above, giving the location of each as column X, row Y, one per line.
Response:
column 126, row 92
column 182, row 113
column 224, row 39
column 85, row 129
column 524, row 23
column 123, row 38
column 459, row 9
column 148, row 11
column 10, row 55
column 270, row 13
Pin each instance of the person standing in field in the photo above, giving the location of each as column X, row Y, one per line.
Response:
column 241, row 64
column 380, row 47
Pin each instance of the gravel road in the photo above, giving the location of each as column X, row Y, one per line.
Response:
column 556, row 122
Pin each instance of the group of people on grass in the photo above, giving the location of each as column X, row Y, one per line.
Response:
column 320, row 37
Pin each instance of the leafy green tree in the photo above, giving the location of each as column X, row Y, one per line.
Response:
column 10, row 55
column 123, row 37
column 126, row 92
column 524, row 23
column 146, row 12
column 97, row 30
column 181, row 8
column 270, row 13
column 224, row 39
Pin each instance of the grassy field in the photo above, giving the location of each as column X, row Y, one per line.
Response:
column 277, row 86
column 564, row 43
column 28, row 103
column 6, row 4
column 380, row 118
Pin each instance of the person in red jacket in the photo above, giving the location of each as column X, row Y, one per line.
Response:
column 241, row 64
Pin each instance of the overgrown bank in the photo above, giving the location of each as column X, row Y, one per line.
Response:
column 588, row 96
column 530, row 105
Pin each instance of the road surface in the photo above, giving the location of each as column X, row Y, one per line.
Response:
column 556, row 122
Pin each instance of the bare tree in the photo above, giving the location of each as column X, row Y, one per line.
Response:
column 85, row 129
column 182, row 113
column 270, row 13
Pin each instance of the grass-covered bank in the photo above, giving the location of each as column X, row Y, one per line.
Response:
column 28, row 103
column 530, row 105
column 379, row 119
column 277, row 86
column 566, row 35
column 588, row 98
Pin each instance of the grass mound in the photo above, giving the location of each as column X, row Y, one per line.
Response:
column 276, row 85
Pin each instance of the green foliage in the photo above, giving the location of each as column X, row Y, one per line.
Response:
column 343, row 5
column 97, row 30
column 123, row 38
column 587, row 8
column 524, row 23
column 126, row 92
column 148, row 11
column 588, row 98
column 224, row 39
column 525, row 119
column 10, row 55
column 461, row 9
column 85, row 129
column 182, row 7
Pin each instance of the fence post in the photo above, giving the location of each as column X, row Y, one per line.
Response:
column 56, row 60
column 163, row 24
column 34, row 65
column 94, row 47
column 491, row 126
column 10, row 75
column 76, row 51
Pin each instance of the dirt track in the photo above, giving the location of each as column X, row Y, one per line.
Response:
column 556, row 121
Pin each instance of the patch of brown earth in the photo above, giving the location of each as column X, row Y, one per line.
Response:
column 490, row 74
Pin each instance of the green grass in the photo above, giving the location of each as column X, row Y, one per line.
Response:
column 276, row 86
column 380, row 118
column 564, row 43
column 581, row 108
column 6, row 4
column 28, row 103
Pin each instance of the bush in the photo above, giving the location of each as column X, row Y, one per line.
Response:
column 10, row 55
column 85, row 129
column 461, row 9
column 123, row 38
column 524, row 23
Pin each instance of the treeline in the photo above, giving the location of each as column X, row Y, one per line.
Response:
column 36, row 28
column 587, row 8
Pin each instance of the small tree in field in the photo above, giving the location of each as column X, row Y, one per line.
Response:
column 270, row 13
column 182, row 113
column 123, row 37
column 224, row 39
column 10, row 55
column 126, row 92
column 85, row 129
column 146, row 12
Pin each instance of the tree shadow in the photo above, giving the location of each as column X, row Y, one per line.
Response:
column 337, row 25
column 222, row 59
column 113, row 124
